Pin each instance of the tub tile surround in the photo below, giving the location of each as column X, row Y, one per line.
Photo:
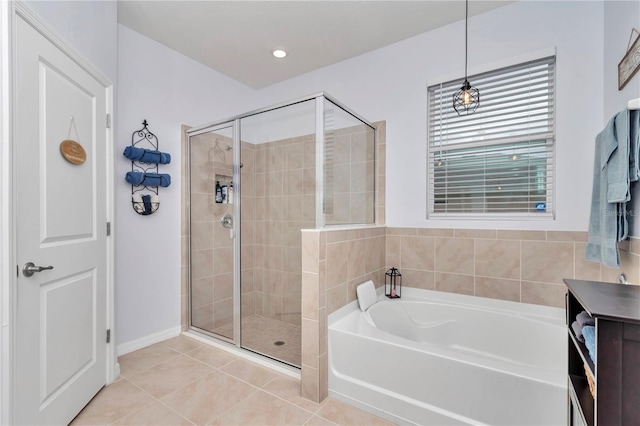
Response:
column 517, row 265
column 334, row 262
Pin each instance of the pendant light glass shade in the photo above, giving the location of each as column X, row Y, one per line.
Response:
column 467, row 99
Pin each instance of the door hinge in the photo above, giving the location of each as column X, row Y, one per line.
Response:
column 109, row 336
column 108, row 229
column 108, row 121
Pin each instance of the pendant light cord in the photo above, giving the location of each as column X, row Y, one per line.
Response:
column 466, row 39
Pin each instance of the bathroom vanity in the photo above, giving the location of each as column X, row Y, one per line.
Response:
column 615, row 370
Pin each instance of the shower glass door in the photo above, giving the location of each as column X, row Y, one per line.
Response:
column 211, row 243
column 278, row 179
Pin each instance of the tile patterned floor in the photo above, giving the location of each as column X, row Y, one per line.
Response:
column 185, row 382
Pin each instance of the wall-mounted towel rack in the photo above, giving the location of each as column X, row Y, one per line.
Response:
column 634, row 104
column 144, row 176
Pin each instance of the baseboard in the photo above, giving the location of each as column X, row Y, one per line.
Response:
column 149, row 340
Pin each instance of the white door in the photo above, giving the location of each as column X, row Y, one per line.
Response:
column 60, row 333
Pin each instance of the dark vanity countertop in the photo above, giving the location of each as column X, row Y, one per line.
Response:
column 607, row 300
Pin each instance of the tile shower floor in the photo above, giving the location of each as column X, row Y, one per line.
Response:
column 275, row 338
column 185, row 382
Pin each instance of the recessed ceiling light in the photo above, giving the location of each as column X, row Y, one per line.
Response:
column 279, row 53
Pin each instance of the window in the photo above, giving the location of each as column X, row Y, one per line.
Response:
column 499, row 161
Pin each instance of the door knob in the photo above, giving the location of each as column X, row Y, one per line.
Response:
column 29, row 269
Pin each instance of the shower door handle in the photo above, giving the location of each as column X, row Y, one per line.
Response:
column 227, row 221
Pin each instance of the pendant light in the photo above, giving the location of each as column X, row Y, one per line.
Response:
column 467, row 99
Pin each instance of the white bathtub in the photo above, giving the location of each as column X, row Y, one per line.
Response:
column 434, row 358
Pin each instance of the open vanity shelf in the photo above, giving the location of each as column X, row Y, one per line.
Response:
column 616, row 370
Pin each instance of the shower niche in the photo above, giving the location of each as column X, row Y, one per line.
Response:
column 305, row 164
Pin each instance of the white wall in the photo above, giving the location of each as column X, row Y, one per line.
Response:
column 619, row 18
column 88, row 26
column 168, row 90
column 390, row 84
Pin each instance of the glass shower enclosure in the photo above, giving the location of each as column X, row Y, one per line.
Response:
column 253, row 183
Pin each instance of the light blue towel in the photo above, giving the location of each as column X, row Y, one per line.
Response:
column 589, row 335
column 616, row 140
column 148, row 179
column 602, row 244
column 616, row 165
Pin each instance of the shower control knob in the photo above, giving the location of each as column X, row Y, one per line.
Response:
column 227, row 221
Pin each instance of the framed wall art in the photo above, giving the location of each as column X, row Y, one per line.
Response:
column 630, row 63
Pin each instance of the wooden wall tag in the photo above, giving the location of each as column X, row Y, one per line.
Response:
column 72, row 151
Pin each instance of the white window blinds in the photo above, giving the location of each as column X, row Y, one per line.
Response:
column 499, row 161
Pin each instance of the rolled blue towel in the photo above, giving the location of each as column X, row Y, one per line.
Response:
column 146, row 155
column 584, row 318
column 589, row 334
column 148, row 179
column 577, row 330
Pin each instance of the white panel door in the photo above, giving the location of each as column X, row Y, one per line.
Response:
column 60, row 333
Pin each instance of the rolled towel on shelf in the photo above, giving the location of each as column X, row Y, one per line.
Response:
column 589, row 334
column 148, row 179
column 577, row 330
column 584, row 318
column 146, row 155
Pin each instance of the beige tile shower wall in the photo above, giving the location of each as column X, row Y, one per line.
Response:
column 211, row 245
column 521, row 266
column 284, row 192
column 333, row 264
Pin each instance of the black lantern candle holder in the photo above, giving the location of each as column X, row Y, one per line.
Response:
column 393, row 283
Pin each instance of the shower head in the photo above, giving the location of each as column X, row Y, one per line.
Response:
column 228, row 147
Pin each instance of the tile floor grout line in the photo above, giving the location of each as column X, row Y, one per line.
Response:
column 185, row 385
column 172, row 409
column 205, row 363
column 240, row 379
column 153, row 365
column 287, row 401
column 158, row 399
column 121, row 417
column 234, row 405
column 145, row 406
column 202, row 378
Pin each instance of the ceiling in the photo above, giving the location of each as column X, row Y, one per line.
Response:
column 237, row 37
